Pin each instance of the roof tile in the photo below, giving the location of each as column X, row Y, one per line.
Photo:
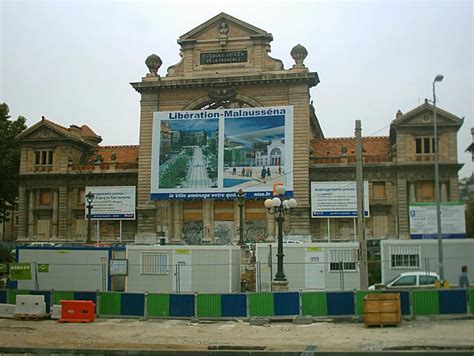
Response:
column 123, row 154
column 345, row 147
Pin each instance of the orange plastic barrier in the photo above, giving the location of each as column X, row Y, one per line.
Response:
column 77, row 311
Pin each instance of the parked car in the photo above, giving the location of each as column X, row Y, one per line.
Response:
column 418, row 279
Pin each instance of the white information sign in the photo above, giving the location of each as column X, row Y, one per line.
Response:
column 423, row 224
column 336, row 199
column 118, row 267
column 112, row 203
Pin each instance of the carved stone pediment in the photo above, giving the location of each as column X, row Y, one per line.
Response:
column 423, row 116
column 223, row 26
column 43, row 133
column 224, row 43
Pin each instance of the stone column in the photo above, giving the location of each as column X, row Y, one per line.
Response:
column 444, row 192
column 271, row 233
column 454, row 188
column 298, row 96
column 146, row 214
column 31, row 215
column 235, row 236
column 411, row 186
column 177, row 237
column 169, row 219
column 402, row 202
column 55, row 214
column 208, row 220
column 62, row 213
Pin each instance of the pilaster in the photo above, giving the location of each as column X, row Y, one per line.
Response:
column 403, row 224
column 22, row 221
column 31, row 215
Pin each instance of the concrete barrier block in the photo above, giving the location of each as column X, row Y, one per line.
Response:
column 30, row 305
column 259, row 321
column 56, row 312
column 7, row 310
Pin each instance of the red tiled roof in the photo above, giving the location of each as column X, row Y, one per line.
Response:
column 377, row 146
column 124, row 154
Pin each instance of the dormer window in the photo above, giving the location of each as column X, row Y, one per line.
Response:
column 425, row 145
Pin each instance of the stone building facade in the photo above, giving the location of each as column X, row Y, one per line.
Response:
column 398, row 167
column 57, row 163
column 226, row 64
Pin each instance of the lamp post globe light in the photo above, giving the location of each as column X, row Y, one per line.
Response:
column 279, row 206
column 89, row 198
column 438, row 78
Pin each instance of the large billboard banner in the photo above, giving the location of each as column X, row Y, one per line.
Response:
column 211, row 154
column 112, row 203
column 337, row 199
column 423, row 223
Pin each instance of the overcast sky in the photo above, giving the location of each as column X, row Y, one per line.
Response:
column 72, row 61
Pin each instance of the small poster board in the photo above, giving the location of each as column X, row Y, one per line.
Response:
column 20, row 271
column 118, row 267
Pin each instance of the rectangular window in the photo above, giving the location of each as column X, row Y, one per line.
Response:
column 379, row 190
column 45, row 197
column 380, row 225
column 425, row 145
column 44, row 158
column 154, row 263
column 404, row 257
column 342, row 260
column 427, row 190
column 418, row 146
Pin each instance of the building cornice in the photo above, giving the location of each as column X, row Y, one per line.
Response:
column 311, row 78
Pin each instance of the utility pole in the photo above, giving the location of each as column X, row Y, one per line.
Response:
column 363, row 267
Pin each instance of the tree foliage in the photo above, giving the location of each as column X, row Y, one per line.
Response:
column 9, row 161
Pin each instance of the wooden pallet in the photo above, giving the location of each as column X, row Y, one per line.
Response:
column 32, row 317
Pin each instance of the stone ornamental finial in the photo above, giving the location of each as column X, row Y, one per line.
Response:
column 153, row 62
column 298, row 53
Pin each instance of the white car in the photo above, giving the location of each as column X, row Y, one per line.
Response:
column 418, row 279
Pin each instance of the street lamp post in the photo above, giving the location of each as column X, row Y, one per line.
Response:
column 89, row 199
column 279, row 207
column 438, row 78
column 241, row 198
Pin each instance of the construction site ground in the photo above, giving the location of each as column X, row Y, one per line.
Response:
column 199, row 335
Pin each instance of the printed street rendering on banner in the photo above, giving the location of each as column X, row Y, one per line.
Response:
column 112, row 203
column 337, row 199
column 212, row 154
column 423, row 224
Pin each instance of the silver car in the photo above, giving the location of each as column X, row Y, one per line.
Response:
column 416, row 279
